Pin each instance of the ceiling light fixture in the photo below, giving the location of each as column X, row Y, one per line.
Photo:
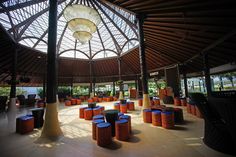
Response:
column 82, row 21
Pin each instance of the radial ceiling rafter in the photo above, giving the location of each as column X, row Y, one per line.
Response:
column 28, row 19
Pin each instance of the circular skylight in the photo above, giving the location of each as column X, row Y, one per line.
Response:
column 27, row 22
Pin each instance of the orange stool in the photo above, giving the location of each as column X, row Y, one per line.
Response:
column 111, row 98
column 122, row 130
column 73, row 101
column 94, row 127
column 78, row 102
column 96, row 111
column 147, row 116
column 188, row 108
column 198, row 113
column 67, row 103
column 183, row 102
column 140, row 102
column 88, row 114
column 99, row 99
column 24, row 124
column 95, row 99
column 81, row 112
column 103, row 134
column 177, row 101
column 123, row 108
column 131, row 106
column 107, row 99
column 156, row 101
column 90, row 100
column 40, row 104
column 82, row 98
column 193, row 109
column 116, row 106
column 127, row 117
column 156, row 118
column 167, row 119
column 115, row 98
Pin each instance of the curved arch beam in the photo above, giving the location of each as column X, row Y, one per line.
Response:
column 74, row 50
column 102, row 51
column 128, row 42
column 33, row 38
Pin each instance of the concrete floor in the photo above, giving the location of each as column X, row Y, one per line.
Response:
column 147, row 140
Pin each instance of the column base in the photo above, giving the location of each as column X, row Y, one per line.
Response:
column 121, row 96
column 51, row 128
column 11, row 115
column 146, row 101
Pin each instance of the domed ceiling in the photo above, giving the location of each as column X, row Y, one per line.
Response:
column 27, row 22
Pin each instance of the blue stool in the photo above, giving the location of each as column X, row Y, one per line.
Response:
column 103, row 134
column 98, row 117
column 127, row 117
column 94, row 127
column 122, row 130
column 24, row 124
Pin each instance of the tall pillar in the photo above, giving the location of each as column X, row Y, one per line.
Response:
column 207, row 74
column 71, row 89
column 114, row 88
column 44, row 87
column 91, row 91
column 185, row 81
column 121, row 92
column 146, row 99
column 51, row 128
column 11, row 114
column 136, row 87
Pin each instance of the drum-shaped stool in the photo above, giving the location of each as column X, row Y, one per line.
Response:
column 24, row 124
column 123, row 108
column 120, row 114
column 156, row 101
column 122, row 130
column 140, row 102
column 96, row 111
column 167, row 119
column 183, row 102
column 127, row 117
column 67, row 103
column 177, row 101
column 178, row 115
column 98, row 117
column 94, row 127
column 156, row 118
column 193, row 109
column 99, row 99
column 188, row 108
column 102, row 108
column 73, row 101
column 90, row 100
column 95, row 99
column 116, row 106
column 198, row 113
column 103, row 134
column 88, row 114
column 78, row 101
column 131, row 106
column 115, row 98
column 81, row 112
column 147, row 116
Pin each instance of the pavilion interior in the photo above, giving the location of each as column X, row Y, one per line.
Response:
column 136, row 41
